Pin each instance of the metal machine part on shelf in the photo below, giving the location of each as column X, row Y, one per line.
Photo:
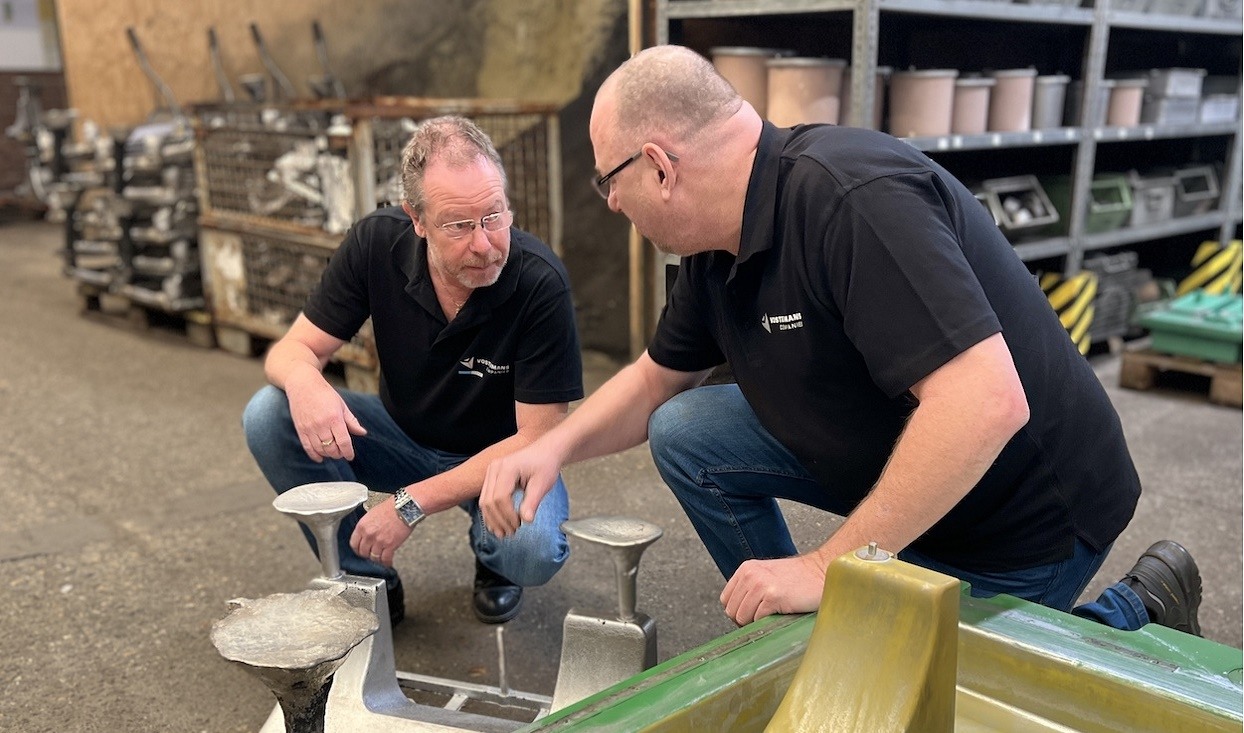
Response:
column 366, row 692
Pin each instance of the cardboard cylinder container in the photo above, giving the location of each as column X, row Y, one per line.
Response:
column 879, row 87
column 804, row 90
column 922, row 102
column 744, row 67
column 1010, row 106
column 971, row 108
column 1126, row 96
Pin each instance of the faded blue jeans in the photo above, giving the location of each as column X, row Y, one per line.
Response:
column 727, row 472
column 386, row 459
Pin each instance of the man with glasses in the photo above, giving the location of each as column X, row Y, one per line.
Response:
column 475, row 335
column 896, row 365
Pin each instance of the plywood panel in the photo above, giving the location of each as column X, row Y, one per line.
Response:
column 466, row 48
column 379, row 46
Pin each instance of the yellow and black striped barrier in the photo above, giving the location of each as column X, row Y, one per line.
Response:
column 1216, row 269
column 1072, row 299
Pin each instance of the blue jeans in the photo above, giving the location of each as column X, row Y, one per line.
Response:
column 386, row 459
column 727, row 472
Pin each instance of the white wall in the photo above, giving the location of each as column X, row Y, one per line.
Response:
column 28, row 36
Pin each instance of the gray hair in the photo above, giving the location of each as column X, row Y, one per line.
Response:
column 671, row 89
column 455, row 140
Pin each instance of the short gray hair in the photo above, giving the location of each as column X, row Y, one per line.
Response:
column 453, row 139
column 672, row 89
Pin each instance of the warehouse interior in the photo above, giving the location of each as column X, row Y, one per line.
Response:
column 174, row 181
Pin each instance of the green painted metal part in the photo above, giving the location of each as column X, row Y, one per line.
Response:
column 1022, row 667
column 1200, row 325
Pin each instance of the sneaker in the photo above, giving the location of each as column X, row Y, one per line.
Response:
column 497, row 599
column 397, row 602
column 1168, row 582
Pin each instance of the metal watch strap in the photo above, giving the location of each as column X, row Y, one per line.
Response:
column 407, row 508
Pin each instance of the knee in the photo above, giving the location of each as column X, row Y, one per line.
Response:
column 668, row 424
column 533, row 559
column 266, row 415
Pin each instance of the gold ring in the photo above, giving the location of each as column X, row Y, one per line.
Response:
column 375, row 557
column 326, row 443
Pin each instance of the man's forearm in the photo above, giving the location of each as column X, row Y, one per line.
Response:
column 966, row 416
column 616, row 416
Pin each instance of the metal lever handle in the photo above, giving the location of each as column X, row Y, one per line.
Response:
column 626, row 539
column 284, row 88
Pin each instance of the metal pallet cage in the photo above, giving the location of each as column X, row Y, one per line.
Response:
column 258, row 282
column 526, row 136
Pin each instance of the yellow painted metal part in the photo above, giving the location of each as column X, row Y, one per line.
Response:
column 882, row 655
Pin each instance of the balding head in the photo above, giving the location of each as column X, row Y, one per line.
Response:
column 667, row 90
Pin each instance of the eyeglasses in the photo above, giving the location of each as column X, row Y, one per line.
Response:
column 601, row 184
column 490, row 223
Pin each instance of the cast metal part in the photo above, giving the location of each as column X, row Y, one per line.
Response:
column 367, row 692
column 598, row 652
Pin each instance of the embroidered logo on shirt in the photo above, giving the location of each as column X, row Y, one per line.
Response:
column 787, row 322
column 479, row 366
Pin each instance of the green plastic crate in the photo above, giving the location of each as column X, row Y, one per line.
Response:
column 1199, row 325
column 1110, row 205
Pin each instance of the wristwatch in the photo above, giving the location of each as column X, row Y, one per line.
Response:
column 407, row 508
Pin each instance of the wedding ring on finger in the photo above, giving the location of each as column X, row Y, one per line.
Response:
column 326, row 443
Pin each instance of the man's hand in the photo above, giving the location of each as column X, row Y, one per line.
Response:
column 379, row 533
column 760, row 588
column 533, row 470
column 323, row 421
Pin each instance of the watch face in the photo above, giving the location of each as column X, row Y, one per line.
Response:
column 408, row 509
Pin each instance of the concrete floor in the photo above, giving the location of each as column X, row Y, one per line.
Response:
column 133, row 512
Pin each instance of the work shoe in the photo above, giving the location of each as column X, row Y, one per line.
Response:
column 397, row 602
column 1168, row 582
column 497, row 598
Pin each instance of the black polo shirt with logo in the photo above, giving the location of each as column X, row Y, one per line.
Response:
column 452, row 386
column 863, row 267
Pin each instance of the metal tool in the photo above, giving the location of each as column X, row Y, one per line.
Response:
column 162, row 89
column 327, row 85
column 597, row 651
column 222, row 79
column 283, row 89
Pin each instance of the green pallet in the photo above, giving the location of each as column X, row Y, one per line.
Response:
column 1199, row 325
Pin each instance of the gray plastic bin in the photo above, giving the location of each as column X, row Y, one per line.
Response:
column 1169, row 110
column 1196, row 190
column 1048, row 99
column 1153, row 198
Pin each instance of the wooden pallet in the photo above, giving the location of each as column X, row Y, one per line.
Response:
column 1143, row 370
column 195, row 324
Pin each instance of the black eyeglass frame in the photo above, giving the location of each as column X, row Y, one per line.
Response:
column 601, row 184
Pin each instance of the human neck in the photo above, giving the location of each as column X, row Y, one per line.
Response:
column 734, row 145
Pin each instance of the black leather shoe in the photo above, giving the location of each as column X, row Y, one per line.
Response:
column 1167, row 579
column 397, row 603
column 497, row 599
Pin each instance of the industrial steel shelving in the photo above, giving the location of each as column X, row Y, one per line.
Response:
column 1096, row 24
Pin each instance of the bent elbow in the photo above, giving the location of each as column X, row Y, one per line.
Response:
column 1014, row 413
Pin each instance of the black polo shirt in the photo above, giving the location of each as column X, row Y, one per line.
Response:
column 452, row 386
column 863, row 267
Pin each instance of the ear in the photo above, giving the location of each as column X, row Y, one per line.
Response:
column 420, row 229
column 666, row 173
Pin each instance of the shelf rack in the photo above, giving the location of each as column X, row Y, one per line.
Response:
column 1099, row 22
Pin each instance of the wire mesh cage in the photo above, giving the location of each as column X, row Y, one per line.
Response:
column 259, row 280
column 274, row 167
column 526, row 136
